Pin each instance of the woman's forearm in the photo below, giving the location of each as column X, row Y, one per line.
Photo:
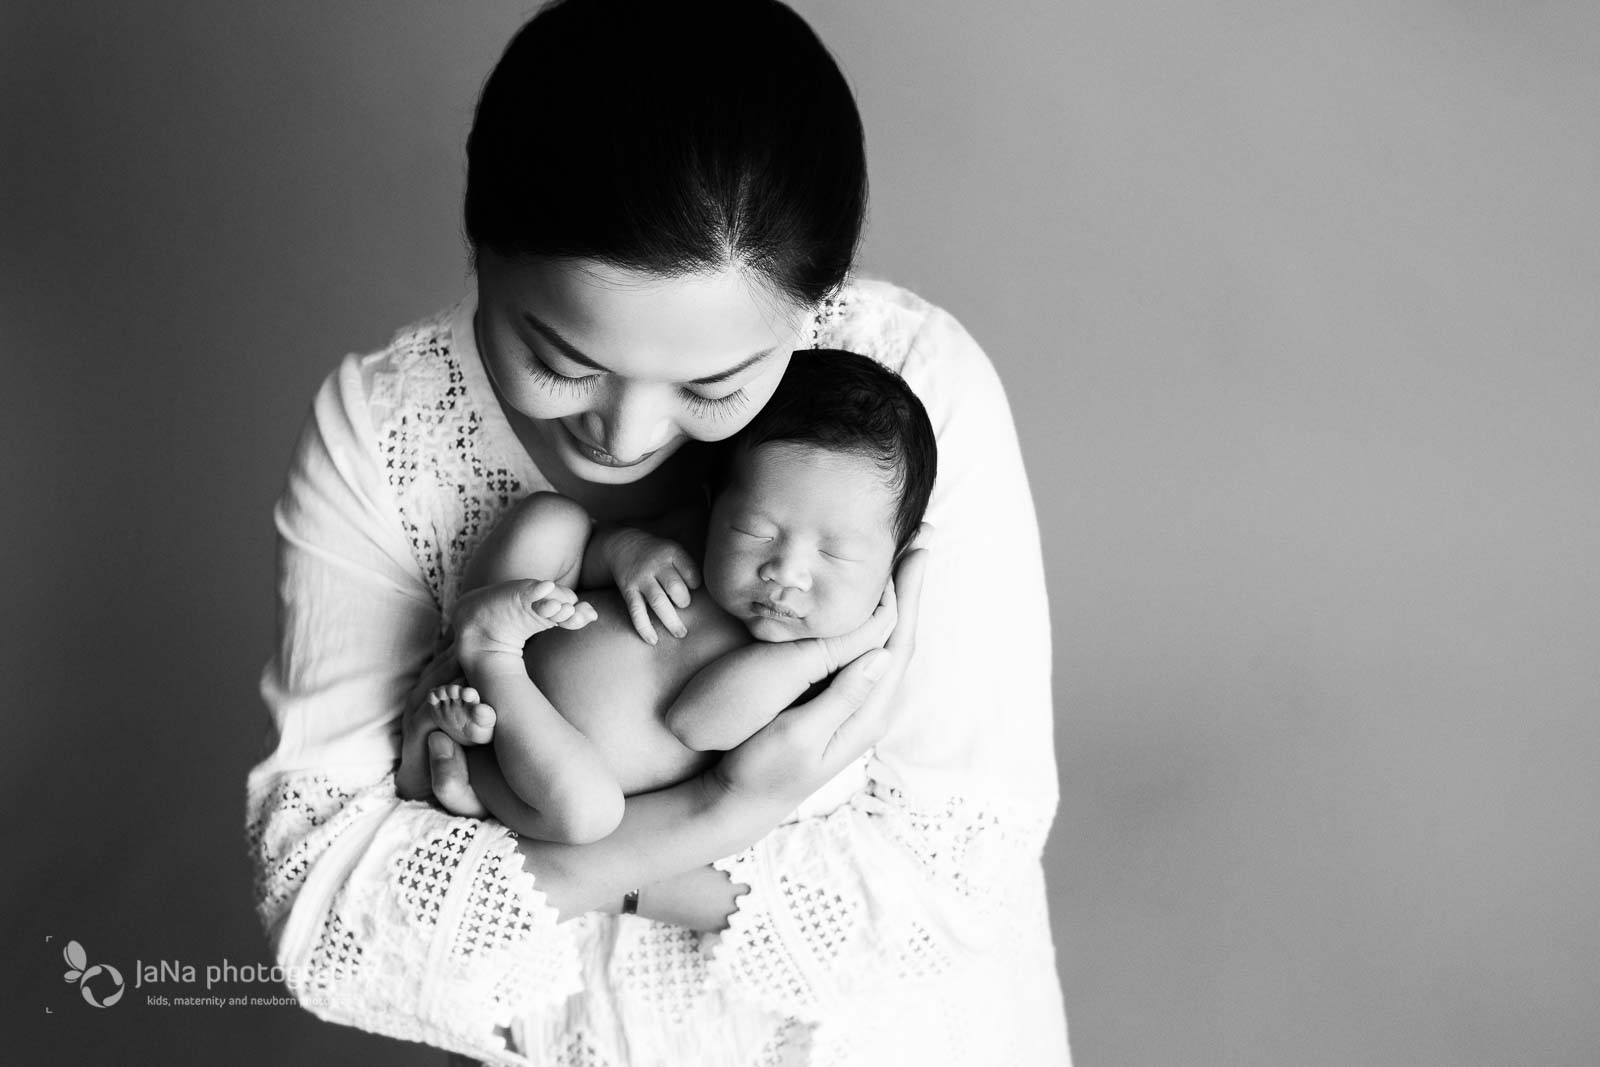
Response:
column 662, row 836
column 701, row 899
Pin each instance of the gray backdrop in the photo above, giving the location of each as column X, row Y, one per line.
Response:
column 1296, row 304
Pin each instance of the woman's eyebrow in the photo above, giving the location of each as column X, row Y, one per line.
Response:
column 566, row 348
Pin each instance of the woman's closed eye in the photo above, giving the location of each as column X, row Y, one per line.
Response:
column 556, row 381
column 715, row 407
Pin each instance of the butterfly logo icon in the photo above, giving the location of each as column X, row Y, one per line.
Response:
column 81, row 972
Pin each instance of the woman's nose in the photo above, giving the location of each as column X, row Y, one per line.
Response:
column 633, row 422
column 786, row 569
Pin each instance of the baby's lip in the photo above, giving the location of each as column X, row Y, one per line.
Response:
column 773, row 611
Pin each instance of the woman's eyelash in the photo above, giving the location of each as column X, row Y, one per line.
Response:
column 700, row 407
column 721, row 407
column 557, row 382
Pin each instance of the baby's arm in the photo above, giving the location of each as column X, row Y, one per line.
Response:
column 737, row 694
column 557, row 787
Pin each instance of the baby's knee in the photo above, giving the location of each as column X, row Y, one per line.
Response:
column 543, row 534
column 589, row 820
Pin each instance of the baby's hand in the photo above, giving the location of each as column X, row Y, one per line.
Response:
column 874, row 633
column 653, row 574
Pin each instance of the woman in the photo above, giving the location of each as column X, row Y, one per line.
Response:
column 663, row 201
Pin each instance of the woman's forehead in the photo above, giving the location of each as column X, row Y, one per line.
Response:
column 684, row 328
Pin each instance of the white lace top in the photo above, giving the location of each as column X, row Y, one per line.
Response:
column 898, row 918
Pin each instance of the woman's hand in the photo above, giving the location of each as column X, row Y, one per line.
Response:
column 804, row 747
column 432, row 765
column 835, row 652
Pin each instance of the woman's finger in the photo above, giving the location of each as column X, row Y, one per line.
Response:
column 872, row 718
column 411, row 777
column 821, row 717
column 447, row 768
column 906, row 596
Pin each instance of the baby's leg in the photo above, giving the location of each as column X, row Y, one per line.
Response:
column 543, row 536
column 484, row 770
column 571, row 794
column 550, row 782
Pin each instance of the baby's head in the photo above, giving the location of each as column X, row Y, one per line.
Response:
column 817, row 498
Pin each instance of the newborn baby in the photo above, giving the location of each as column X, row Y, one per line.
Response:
column 813, row 503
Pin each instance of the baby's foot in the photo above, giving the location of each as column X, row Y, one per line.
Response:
column 499, row 619
column 460, row 704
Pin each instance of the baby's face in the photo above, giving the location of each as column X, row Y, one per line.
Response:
column 801, row 542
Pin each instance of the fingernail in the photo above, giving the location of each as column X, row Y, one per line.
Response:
column 876, row 666
column 439, row 745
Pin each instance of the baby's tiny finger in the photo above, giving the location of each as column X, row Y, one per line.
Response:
column 691, row 573
column 582, row 615
column 665, row 612
column 640, row 615
column 677, row 591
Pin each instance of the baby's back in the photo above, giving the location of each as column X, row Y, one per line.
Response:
column 616, row 688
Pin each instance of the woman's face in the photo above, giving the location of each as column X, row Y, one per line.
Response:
column 615, row 370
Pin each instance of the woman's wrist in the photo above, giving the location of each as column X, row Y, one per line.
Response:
column 663, row 835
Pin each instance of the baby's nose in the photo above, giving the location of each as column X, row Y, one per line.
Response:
column 787, row 570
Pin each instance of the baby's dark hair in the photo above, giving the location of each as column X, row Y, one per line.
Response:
column 845, row 402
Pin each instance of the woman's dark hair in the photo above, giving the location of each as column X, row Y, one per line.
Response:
column 671, row 138
column 849, row 403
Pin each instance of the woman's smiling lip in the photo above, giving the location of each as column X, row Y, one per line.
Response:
column 600, row 455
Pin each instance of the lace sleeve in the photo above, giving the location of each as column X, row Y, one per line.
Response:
column 935, row 868
column 384, row 914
